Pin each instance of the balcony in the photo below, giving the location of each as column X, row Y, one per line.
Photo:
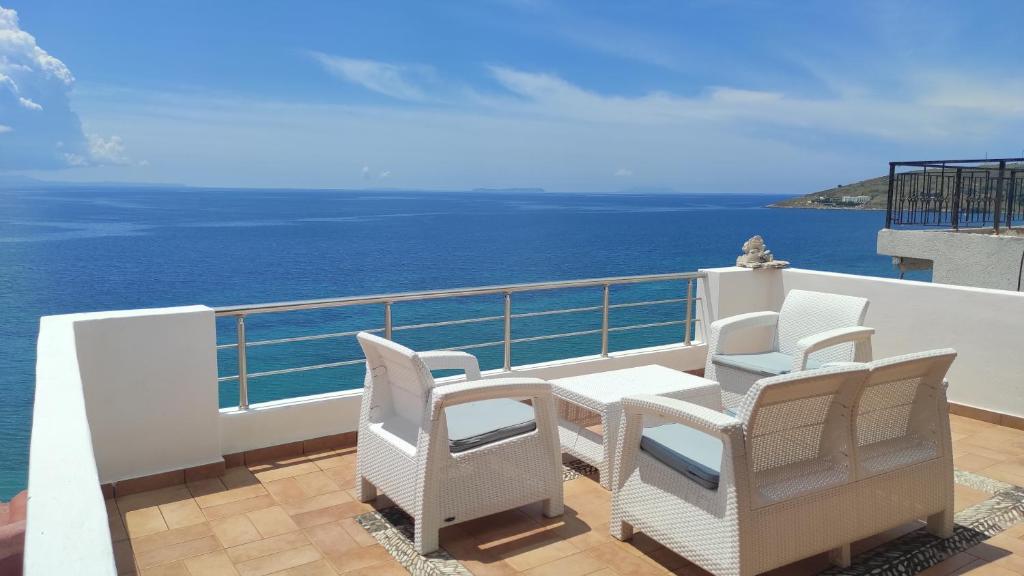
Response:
column 957, row 218
column 156, row 450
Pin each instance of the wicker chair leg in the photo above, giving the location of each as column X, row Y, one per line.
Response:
column 365, row 491
column 941, row 524
column 426, row 536
column 622, row 530
column 553, row 507
column 840, row 556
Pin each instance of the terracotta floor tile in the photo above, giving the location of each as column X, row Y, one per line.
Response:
column 318, row 568
column 359, row 558
column 272, row 521
column 357, row 532
column 153, row 498
column 206, row 487
column 604, row 572
column 621, row 561
column 577, row 564
column 182, row 513
column 266, row 547
column 535, row 550
column 173, row 569
column 230, row 495
column 171, row 537
column 278, row 561
column 288, row 471
column 964, row 497
column 176, row 552
column 317, row 483
column 239, row 477
column 143, row 522
column 235, row 531
column 331, row 539
column 972, row 462
column 317, row 502
column 388, row 568
column 334, row 459
column 330, row 514
column 238, row 507
column 212, row 564
column 286, row 490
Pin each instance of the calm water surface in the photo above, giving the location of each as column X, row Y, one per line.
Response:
column 94, row 248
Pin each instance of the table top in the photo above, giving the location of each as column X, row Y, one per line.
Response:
column 603, row 388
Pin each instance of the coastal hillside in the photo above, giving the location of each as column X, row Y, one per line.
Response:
column 864, row 195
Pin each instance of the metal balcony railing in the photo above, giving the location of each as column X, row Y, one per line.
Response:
column 687, row 301
column 956, row 193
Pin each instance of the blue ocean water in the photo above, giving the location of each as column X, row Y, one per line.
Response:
column 75, row 249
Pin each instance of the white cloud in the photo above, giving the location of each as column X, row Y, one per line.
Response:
column 623, row 172
column 384, row 174
column 35, row 106
column 107, row 150
column 4, row 128
column 394, row 80
column 366, row 172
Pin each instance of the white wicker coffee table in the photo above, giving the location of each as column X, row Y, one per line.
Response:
column 599, row 396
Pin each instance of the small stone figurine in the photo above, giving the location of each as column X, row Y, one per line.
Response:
column 757, row 255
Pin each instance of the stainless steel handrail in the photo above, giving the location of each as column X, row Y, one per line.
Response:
column 388, row 300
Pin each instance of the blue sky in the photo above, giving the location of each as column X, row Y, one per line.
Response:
column 702, row 96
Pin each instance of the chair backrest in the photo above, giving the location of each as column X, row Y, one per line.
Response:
column 806, row 313
column 901, row 416
column 398, row 381
column 797, row 431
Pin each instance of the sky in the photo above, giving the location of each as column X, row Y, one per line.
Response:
column 691, row 96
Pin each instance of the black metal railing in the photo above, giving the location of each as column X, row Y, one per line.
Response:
column 956, row 193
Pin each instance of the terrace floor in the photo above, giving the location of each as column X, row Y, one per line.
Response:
column 298, row 516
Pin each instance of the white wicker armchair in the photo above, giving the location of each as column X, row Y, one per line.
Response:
column 812, row 329
column 450, row 453
column 777, row 490
column 902, row 445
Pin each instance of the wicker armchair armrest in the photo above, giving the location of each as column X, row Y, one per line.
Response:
column 810, row 344
column 452, row 360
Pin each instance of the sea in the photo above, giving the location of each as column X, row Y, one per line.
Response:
column 87, row 248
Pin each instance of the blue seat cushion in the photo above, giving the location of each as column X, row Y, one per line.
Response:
column 475, row 424
column 690, row 452
column 767, row 364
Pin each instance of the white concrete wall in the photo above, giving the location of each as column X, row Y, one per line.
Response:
column 284, row 421
column 150, row 383
column 963, row 258
column 67, row 520
column 983, row 325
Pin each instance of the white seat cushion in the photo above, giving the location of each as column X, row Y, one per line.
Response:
column 692, row 453
column 767, row 363
column 475, row 424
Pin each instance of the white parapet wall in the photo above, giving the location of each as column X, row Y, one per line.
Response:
column 983, row 325
column 150, row 382
column 67, row 520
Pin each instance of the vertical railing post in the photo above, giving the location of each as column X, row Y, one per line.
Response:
column 996, row 211
column 957, row 187
column 508, row 332
column 689, row 312
column 387, row 320
column 604, row 321
column 243, row 370
column 888, row 197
